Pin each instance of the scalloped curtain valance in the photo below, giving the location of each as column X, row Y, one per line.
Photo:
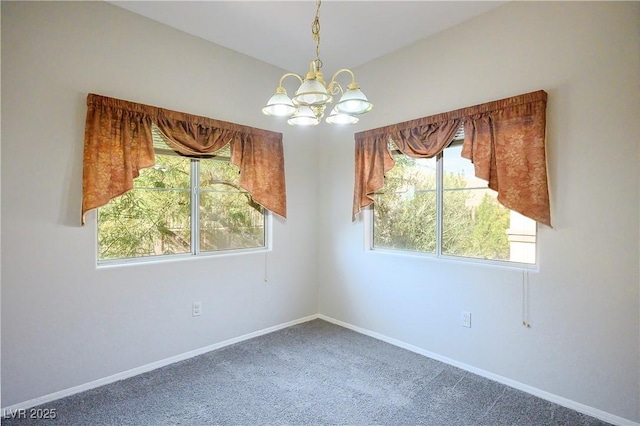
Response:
column 118, row 142
column 504, row 139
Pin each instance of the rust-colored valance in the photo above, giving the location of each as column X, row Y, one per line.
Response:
column 118, row 143
column 504, row 139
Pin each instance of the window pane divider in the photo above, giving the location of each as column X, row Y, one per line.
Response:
column 439, row 200
column 474, row 217
column 195, row 207
column 163, row 227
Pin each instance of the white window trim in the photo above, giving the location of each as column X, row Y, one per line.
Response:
column 368, row 247
column 163, row 258
column 195, row 252
column 438, row 255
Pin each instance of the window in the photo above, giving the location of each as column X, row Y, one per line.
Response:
column 438, row 206
column 181, row 206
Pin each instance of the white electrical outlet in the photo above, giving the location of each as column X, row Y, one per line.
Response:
column 196, row 309
column 465, row 319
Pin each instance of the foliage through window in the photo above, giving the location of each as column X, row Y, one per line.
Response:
column 181, row 206
column 438, row 206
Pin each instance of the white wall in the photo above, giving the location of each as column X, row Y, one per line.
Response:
column 65, row 322
column 584, row 301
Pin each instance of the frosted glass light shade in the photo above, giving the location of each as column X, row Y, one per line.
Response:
column 354, row 102
column 304, row 116
column 279, row 105
column 341, row 118
column 311, row 92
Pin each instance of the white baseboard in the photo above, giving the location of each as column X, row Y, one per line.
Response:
column 585, row 409
column 149, row 367
column 581, row 408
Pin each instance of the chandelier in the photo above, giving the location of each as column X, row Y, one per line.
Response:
column 307, row 107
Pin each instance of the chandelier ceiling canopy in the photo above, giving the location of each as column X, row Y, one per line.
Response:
column 307, row 106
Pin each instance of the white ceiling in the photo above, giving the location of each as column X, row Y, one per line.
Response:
column 279, row 32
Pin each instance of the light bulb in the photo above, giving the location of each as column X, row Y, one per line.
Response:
column 341, row 118
column 304, row 116
column 311, row 92
column 279, row 105
column 354, row 102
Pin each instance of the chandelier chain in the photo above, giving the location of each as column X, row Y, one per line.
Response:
column 315, row 33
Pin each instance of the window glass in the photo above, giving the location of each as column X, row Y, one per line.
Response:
column 229, row 219
column 472, row 222
column 405, row 209
column 155, row 218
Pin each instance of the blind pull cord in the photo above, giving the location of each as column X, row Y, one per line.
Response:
column 525, row 299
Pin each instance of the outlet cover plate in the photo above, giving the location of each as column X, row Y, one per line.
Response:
column 196, row 309
column 465, row 319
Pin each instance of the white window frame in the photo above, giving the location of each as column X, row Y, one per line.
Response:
column 438, row 255
column 195, row 252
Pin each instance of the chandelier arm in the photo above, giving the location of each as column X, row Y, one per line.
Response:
column 288, row 75
column 353, row 77
column 335, row 88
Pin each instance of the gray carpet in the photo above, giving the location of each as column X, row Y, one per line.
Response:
column 314, row 373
